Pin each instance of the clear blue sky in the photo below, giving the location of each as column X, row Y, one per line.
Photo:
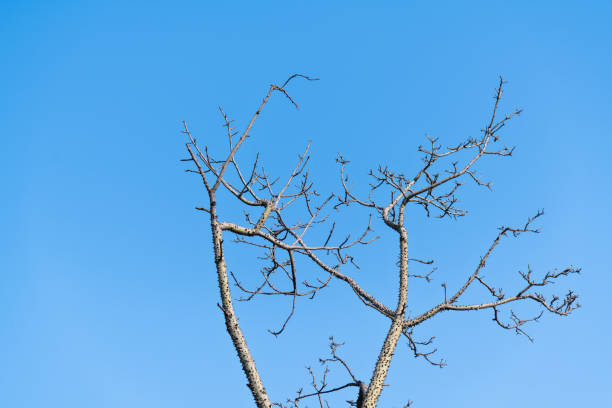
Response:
column 108, row 291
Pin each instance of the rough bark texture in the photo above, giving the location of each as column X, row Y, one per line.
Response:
column 395, row 331
column 231, row 322
column 382, row 364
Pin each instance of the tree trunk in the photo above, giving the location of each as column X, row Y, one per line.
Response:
column 231, row 321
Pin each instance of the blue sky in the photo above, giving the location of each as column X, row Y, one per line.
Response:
column 108, row 294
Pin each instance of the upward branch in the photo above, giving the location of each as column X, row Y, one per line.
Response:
column 205, row 165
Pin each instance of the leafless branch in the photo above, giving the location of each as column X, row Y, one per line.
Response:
column 322, row 387
column 288, row 220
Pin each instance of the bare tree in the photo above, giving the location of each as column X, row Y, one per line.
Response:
column 279, row 214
